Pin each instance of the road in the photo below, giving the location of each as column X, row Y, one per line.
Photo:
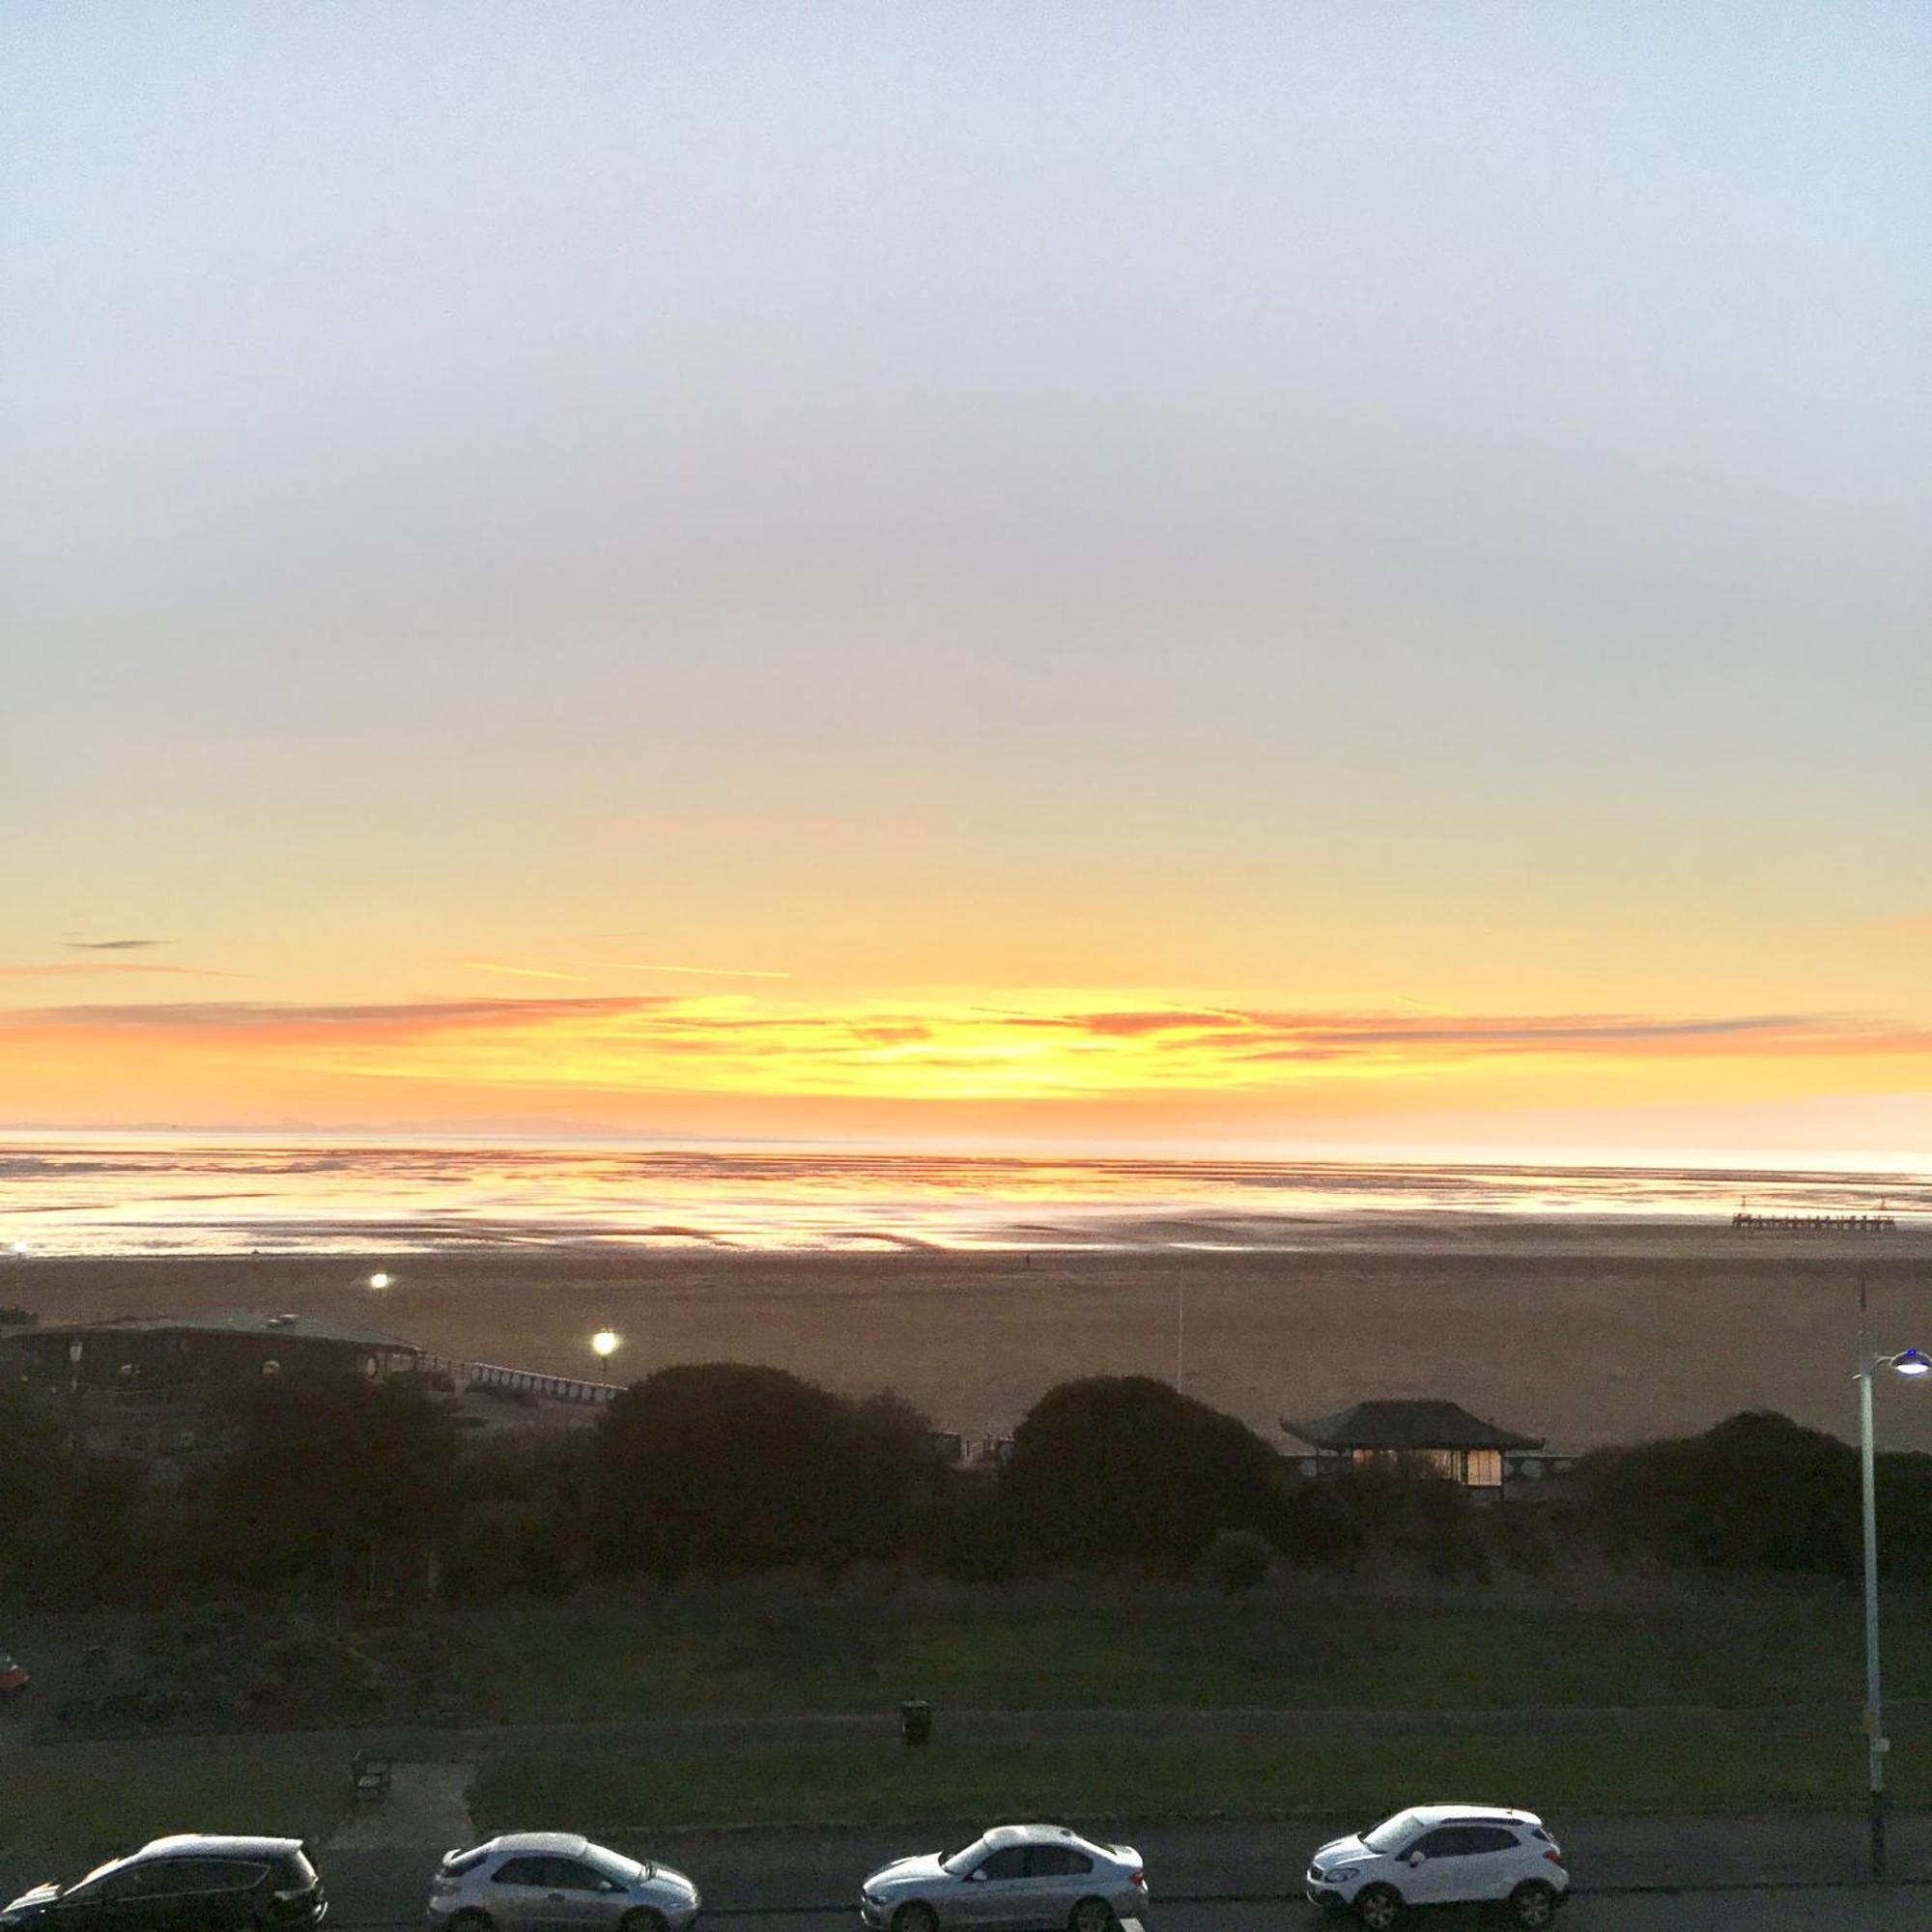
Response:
column 769, row 1883
column 759, row 1882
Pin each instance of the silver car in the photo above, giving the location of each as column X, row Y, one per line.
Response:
column 1032, row 1875
column 555, row 1881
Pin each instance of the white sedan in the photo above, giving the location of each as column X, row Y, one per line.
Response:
column 1018, row 1875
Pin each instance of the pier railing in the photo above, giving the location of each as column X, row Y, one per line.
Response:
column 526, row 1381
column 1749, row 1223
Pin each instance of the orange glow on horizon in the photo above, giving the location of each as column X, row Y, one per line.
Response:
column 1130, row 1053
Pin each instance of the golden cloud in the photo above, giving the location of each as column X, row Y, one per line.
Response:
column 1036, row 1047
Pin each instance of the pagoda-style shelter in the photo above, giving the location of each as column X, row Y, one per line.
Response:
column 1485, row 1458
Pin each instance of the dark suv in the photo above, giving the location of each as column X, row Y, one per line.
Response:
column 194, row 1883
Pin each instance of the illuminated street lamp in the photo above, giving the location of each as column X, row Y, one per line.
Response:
column 1910, row 1362
column 607, row 1342
column 380, row 1280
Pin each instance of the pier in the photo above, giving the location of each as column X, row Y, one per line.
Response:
column 1748, row 1223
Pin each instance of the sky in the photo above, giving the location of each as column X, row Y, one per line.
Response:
column 1233, row 572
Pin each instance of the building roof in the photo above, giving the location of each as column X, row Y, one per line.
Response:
column 233, row 1321
column 1408, row 1425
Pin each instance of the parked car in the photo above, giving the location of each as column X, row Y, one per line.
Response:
column 1443, row 1855
column 550, row 1880
column 13, row 1678
column 191, row 1883
column 1037, row 1875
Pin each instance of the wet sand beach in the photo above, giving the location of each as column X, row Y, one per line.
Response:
column 1580, row 1332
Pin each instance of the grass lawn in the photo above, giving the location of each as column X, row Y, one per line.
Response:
column 84, row 1811
column 763, row 1649
column 1681, row 1766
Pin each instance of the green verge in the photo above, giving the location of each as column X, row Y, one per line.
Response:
column 1678, row 1767
column 746, row 1650
column 70, row 1809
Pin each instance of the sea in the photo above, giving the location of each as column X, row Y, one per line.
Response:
column 149, row 1194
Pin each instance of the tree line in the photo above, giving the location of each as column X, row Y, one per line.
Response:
column 331, row 1487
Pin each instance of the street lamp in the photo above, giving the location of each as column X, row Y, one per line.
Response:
column 1910, row 1362
column 607, row 1342
column 380, row 1281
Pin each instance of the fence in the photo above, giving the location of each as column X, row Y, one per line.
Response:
column 557, row 1388
column 1814, row 1224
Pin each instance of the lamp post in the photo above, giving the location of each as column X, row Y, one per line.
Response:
column 1908, row 1362
column 78, row 1400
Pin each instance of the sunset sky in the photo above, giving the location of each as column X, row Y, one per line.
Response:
column 1245, row 572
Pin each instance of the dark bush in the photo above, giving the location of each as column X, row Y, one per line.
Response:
column 1237, row 1560
column 521, row 1515
column 1402, row 1508
column 721, row 1468
column 1756, row 1491
column 73, row 1531
column 325, row 1474
column 1125, row 1471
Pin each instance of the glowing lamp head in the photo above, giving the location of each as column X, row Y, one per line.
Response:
column 607, row 1342
column 1913, row 1362
column 380, row 1280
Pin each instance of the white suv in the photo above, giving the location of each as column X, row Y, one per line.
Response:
column 1443, row 1855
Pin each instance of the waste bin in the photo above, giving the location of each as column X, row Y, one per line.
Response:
column 916, row 1722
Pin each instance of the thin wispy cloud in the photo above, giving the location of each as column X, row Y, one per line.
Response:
column 111, row 945
column 521, row 971
column 270, row 1016
column 702, row 972
column 76, row 969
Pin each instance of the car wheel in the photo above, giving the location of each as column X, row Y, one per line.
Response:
column 915, row 1918
column 1532, row 1904
column 470, row 1921
column 1379, row 1907
column 642, row 1919
column 1091, row 1914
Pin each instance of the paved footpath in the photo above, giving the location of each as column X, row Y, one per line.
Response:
column 23, row 1730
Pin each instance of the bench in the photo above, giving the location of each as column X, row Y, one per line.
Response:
column 369, row 1773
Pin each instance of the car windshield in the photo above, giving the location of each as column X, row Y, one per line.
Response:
column 1392, row 1834
column 614, row 1864
column 963, row 1861
column 99, row 1871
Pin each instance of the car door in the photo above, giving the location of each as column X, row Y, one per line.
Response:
column 578, row 1897
column 224, row 1896
column 996, row 1891
column 164, row 1897
column 516, row 1898
column 1056, row 1876
column 1432, row 1866
column 1488, row 1868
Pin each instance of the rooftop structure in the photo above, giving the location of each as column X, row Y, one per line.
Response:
column 172, row 1351
column 1483, row 1456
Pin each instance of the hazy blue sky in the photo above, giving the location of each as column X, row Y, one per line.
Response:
column 1328, row 503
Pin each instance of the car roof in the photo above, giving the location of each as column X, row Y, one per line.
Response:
column 215, row 1845
column 1034, row 1835
column 1472, row 1815
column 565, row 1844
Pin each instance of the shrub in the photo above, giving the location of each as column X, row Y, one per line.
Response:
column 1123, row 1469
column 1239, row 1560
column 1757, row 1491
column 324, row 1472
column 724, row 1468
